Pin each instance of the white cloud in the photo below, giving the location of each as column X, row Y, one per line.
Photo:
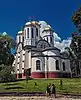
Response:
column 64, row 43
column 56, row 37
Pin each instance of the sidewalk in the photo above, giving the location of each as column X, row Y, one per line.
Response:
column 59, row 97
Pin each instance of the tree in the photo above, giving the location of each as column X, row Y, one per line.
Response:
column 73, row 59
column 5, row 74
column 6, row 43
column 76, row 43
column 76, row 18
column 6, row 58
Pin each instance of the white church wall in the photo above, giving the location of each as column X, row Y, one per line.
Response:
column 17, row 39
column 67, row 62
column 59, row 60
column 18, row 72
column 22, row 70
column 28, row 39
column 67, row 65
column 19, row 48
column 30, row 60
column 26, row 62
column 52, row 53
column 22, row 64
column 51, row 64
column 41, row 64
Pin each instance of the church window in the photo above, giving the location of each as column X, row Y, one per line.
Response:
column 44, row 46
column 19, row 38
column 50, row 39
column 63, row 66
column 23, row 38
column 27, row 32
column 32, row 33
column 47, row 38
column 36, row 31
column 20, row 75
column 41, row 45
column 38, row 65
column 57, row 65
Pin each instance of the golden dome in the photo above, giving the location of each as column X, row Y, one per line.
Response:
column 20, row 32
column 33, row 23
column 48, row 28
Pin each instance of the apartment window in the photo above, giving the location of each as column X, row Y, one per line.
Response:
column 57, row 65
column 27, row 32
column 32, row 33
column 36, row 31
column 38, row 65
column 63, row 66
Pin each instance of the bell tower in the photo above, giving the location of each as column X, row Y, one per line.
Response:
column 31, row 33
column 19, row 37
column 47, row 35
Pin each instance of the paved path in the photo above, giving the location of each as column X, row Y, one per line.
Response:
column 38, row 98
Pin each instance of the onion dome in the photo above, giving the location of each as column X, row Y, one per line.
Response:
column 21, row 32
column 48, row 28
column 32, row 23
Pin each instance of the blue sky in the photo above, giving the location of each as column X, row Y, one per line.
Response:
column 57, row 13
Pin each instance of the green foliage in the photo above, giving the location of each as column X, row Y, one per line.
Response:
column 76, row 18
column 6, row 43
column 68, row 86
column 75, row 46
column 5, row 74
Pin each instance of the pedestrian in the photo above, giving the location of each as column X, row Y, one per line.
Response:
column 53, row 91
column 48, row 91
column 61, row 84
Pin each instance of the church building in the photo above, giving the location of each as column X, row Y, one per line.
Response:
column 36, row 55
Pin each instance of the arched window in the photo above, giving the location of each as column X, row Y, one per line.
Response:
column 63, row 66
column 38, row 65
column 41, row 45
column 47, row 38
column 27, row 32
column 36, row 31
column 23, row 38
column 19, row 38
column 50, row 39
column 57, row 65
column 32, row 33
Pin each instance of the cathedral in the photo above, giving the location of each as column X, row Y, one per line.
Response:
column 36, row 55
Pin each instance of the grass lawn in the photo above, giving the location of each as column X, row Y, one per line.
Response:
column 69, row 85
